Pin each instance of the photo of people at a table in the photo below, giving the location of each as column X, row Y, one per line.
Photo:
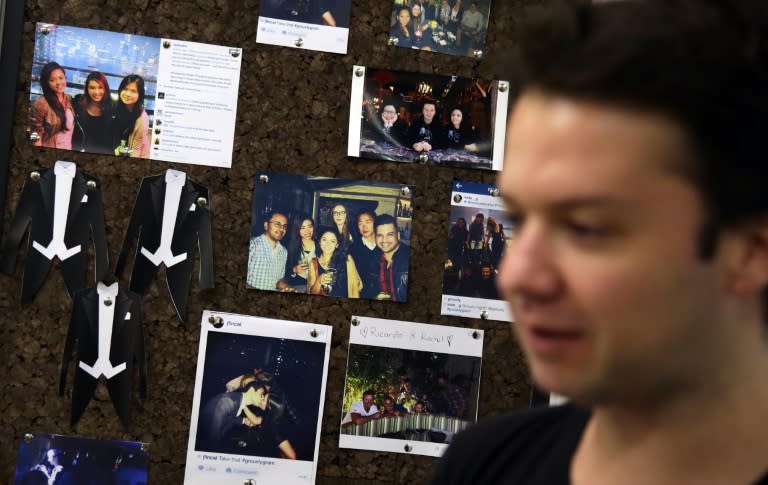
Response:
column 426, row 118
column 260, row 396
column 93, row 90
column 330, row 237
column 409, row 394
column 455, row 27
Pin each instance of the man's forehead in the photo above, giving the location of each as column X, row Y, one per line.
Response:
column 385, row 228
column 589, row 148
column 278, row 217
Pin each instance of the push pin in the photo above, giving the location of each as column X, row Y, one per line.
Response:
column 355, row 321
column 393, row 41
column 28, row 437
column 35, row 176
column 299, row 42
column 242, row 444
column 503, row 86
column 495, row 191
column 45, row 30
column 91, row 184
column 475, row 335
column 108, row 301
column 216, row 321
column 234, row 52
column 202, row 202
column 408, row 448
column 405, row 191
column 34, row 137
column 484, row 315
column 145, row 447
column 166, row 44
column 359, row 72
column 264, row 179
column 313, row 333
column 249, row 481
column 423, row 158
column 478, row 54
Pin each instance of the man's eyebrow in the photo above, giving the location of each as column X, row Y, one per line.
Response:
column 574, row 202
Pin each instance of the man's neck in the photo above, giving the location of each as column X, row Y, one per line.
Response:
column 272, row 242
column 712, row 433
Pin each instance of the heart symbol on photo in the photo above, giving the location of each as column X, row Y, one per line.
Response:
column 364, row 332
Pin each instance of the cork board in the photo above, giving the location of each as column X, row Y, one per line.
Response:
column 291, row 118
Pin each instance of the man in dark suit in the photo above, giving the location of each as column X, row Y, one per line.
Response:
column 106, row 329
column 62, row 209
column 170, row 219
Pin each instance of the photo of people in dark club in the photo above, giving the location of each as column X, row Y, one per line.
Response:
column 430, row 395
column 330, row 237
column 428, row 118
column 66, row 460
column 260, row 396
column 93, row 91
column 476, row 242
column 454, row 27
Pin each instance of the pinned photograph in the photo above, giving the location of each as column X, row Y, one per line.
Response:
column 410, row 387
column 478, row 233
column 103, row 92
column 330, row 237
column 49, row 459
column 453, row 27
column 319, row 25
column 258, row 402
column 427, row 118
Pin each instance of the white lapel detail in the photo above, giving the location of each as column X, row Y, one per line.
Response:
column 103, row 366
column 65, row 173
column 174, row 182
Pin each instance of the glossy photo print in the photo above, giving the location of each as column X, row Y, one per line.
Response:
column 410, row 387
column 49, row 459
column 133, row 96
column 330, row 237
column 455, row 27
column 258, row 400
column 478, row 233
column 410, row 117
column 320, row 25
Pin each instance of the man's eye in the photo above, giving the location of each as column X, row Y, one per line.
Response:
column 588, row 230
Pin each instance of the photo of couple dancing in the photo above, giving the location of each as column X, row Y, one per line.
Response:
column 260, row 396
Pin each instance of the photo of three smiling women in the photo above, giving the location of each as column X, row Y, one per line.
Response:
column 91, row 121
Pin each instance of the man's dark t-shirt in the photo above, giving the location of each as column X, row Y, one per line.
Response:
column 533, row 447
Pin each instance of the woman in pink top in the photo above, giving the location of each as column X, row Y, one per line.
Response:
column 51, row 116
column 131, row 120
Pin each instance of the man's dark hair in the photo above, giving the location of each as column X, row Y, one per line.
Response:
column 368, row 392
column 700, row 63
column 272, row 214
column 384, row 219
column 388, row 398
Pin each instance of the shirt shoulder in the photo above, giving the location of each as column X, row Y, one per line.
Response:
column 535, row 446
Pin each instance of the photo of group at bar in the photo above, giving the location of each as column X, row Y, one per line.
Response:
column 330, row 237
column 447, row 26
column 427, row 118
column 93, row 90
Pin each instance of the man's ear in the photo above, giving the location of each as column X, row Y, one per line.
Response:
column 745, row 253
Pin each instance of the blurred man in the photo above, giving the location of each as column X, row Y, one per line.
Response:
column 364, row 410
column 424, row 130
column 366, row 255
column 639, row 269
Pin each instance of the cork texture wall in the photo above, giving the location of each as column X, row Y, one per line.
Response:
column 291, row 117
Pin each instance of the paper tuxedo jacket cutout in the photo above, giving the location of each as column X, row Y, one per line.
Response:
column 106, row 329
column 171, row 218
column 62, row 208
